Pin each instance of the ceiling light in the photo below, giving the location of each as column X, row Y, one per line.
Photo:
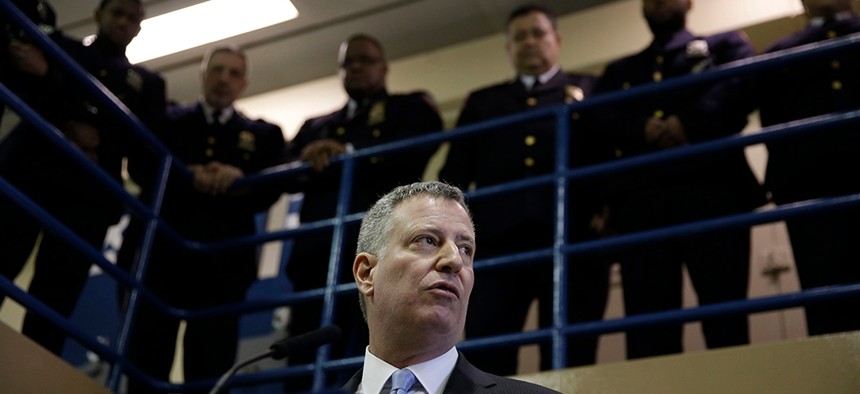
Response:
column 203, row 23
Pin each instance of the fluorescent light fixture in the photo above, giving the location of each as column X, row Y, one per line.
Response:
column 203, row 23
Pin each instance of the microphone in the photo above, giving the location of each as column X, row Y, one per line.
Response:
column 283, row 348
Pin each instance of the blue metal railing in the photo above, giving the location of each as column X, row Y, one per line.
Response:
column 559, row 252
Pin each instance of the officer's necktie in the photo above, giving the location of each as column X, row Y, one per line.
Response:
column 402, row 381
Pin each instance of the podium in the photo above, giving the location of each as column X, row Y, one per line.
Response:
column 25, row 367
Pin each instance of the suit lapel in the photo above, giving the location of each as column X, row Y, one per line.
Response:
column 465, row 378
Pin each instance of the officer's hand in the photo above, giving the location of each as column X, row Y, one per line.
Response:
column 27, row 58
column 674, row 135
column 204, row 180
column 223, row 176
column 654, row 129
column 319, row 153
column 85, row 136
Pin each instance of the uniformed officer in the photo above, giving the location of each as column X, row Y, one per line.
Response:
column 822, row 164
column 371, row 117
column 52, row 179
column 718, row 262
column 523, row 220
column 219, row 145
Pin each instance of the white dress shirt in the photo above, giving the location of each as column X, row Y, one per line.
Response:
column 529, row 80
column 432, row 374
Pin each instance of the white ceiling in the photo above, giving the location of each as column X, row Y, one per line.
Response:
column 305, row 48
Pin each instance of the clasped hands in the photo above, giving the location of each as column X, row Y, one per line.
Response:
column 214, row 178
column 319, row 153
column 665, row 133
column 27, row 58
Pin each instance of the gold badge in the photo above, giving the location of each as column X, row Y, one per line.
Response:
column 573, row 94
column 376, row 114
column 247, row 141
column 134, row 79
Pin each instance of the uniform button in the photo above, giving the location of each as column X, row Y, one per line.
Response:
column 374, row 159
column 211, row 140
column 103, row 73
column 340, row 131
column 574, row 115
column 658, row 76
column 659, row 114
column 625, row 85
column 531, row 101
column 530, row 140
column 831, row 34
column 376, row 133
column 659, row 59
column 246, row 156
column 529, row 162
column 835, row 65
column 209, row 152
column 837, row 85
column 618, row 152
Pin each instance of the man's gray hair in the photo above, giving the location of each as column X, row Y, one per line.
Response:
column 377, row 223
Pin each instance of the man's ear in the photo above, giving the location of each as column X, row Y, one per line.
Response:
column 362, row 270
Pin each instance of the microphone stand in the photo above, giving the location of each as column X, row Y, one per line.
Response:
column 283, row 348
column 219, row 386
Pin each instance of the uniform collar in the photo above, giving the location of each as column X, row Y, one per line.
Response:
column 678, row 39
column 529, row 80
column 353, row 106
column 108, row 48
column 209, row 112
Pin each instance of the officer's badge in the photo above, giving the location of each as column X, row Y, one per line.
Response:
column 247, row 141
column 377, row 113
column 134, row 79
column 573, row 94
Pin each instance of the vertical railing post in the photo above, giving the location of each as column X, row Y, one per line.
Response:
column 560, row 263
column 139, row 271
column 337, row 242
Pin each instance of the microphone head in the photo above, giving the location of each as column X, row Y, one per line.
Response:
column 305, row 342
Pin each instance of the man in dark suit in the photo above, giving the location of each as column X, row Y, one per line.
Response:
column 53, row 180
column 523, row 220
column 822, row 164
column 219, row 145
column 414, row 274
column 718, row 262
column 371, row 117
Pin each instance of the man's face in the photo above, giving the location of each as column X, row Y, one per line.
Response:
column 224, row 79
column 119, row 21
column 424, row 280
column 533, row 44
column 362, row 68
column 665, row 15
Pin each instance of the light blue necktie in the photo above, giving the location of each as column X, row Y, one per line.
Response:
column 402, row 381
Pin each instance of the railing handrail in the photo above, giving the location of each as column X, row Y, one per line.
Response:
column 560, row 178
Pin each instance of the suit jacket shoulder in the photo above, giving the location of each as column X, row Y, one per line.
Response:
column 466, row 378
